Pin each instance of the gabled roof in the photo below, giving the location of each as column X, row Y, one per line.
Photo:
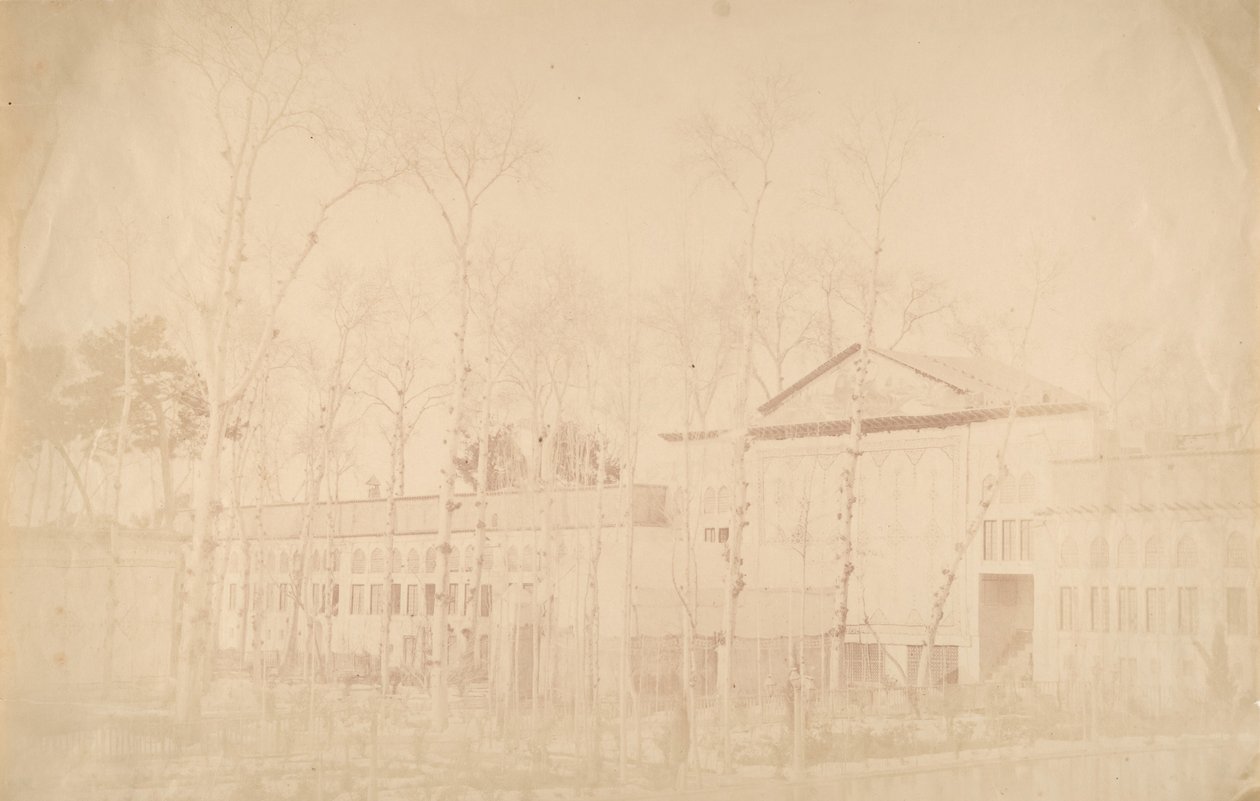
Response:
column 974, row 375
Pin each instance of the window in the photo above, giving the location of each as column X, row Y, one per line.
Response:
column 413, row 599
column 1008, row 539
column 1187, row 610
column 452, row 564
column 1099, row 613
column 1187, row 553
column 1154, row 555
column 470, row 600
column 487, row 599
column 1098, row 556
column 1067, row 552
column 413, row 561
column 430, row 560
column 1236, row 610
column 1067, row 608
column 527, row 559
column 452, row 598
column 1126, row 609
column 470, row 558
column 1154, row 609
column 943, row 667
column 990, row 542
column 1027, row 488
column 356, row 599
column 317, row 596
column 487, row 559
column 864, row 663
column 358, row 561
column 1235, row 551
column 336, row 597
column 724, row 501
column 376, row 599
column 1009, row 490
column 1127, row 555
column 710, row 534
column 724, row 534
column 317, row 561
column 1025, row 540
column 395, row 599
column 378, row 560
column 430, row 599
column 513, row 559
column 709, row 505
column 284, row 597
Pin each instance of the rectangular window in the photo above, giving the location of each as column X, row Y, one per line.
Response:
column 232, row 596
column 1025, row 540
column 1154, row 609
column 724, row 534
column 317, row 596
column 1126, row 609
column 1099, row 610
column 413, row 599
column 1008, row 539
column 487, row 599
column 1067, row 608
column 336, row 597
column 395, row 599
column 1236, row 610
column 710, row 534
column 1187, row 610
column 285, row 592
column 273, row 597
column 990, row 545
column 356, row 599
column 452, row 599
column 377, row 599
column 430, row 599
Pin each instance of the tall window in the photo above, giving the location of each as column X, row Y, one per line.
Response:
column 1009, row 489
column 395, row 599
column 724, row 533
column 430, row 599
column 284, row 597
column 1067, row 552
column 1236, row 610
column 1008, row 539
column 1099, row 610
column 378, row 560
column 336, row 599
column 356, row 599
column 430, row 560
column 1126, row 609
column 1127, row 555
column 358, row 561
column 708, row 505
column 1187, row 610
column 710, row 534
column 413, row 561
column 723, row 501
column 1027, row 488
column 413, row 599
column 487, row 599
column 1154, row 556
column 317, row 596
column 452, row 565
column 1154, row 609
column 513, row 559
column 1025, row 540
column 377, row 599
column 452, row 599
column 470, row 558
column 1235, row 551
column 990, row 539
column 1067, row 608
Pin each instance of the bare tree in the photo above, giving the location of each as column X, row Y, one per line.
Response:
column 785, row 318
column 739, row 155
column 257, row 63
column 463, row 148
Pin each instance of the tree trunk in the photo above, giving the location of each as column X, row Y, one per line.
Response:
column 391, row 529
column 483, row 472
column 120, row 449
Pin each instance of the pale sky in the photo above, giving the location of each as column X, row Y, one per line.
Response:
column 1120, row 136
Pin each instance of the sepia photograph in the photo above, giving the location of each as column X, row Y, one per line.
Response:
column 715, row 400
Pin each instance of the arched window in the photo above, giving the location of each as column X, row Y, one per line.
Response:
column 709, row 505
column 1187, row 553
column 378, row 560
column 413, row 561
column 513, row 559
column 724, row 501
column 1067, row 552
column 1027, row 488
column 1098, row 552
column 452, row 560
column 1235, row 551
column 398, row 559
column 1009, row 490
column 1127, row 554
column 430, row 560
column 358, row 561
column 470, row 558
column 527, row 559
column 487, row 559
column 1154, row 556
